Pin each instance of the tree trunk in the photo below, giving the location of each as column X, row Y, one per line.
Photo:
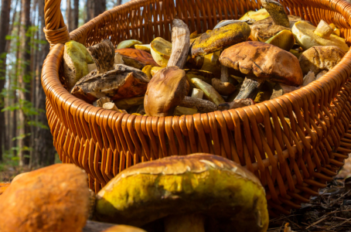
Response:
column 94, row 8
column 75, row 15
column 69, row 15
column 25, row 80
column 44, row 151
column 4, row 28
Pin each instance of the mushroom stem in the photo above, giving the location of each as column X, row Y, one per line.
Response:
column 224, row 74
column 180, row 44
column 193, row 223
column 201, row 105
column 103, row 55
column 247, row 89
column 276, row 10
column 323, row 29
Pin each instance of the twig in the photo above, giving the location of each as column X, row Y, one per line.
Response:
column 317, row 222
column 348, row 220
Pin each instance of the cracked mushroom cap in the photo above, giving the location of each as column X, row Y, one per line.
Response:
column 50, row 199
column 319, row 58
column 165, row 91
column 263, row 61
column 196, row 184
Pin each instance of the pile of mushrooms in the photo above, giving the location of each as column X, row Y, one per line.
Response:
column 259, row 57
column 199, row 192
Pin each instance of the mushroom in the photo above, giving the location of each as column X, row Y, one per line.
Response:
column 136, row 58
column 321, row 74
column 161, row 51
column 147, row 70
column 3, row 187
column 143, row 47
column 305, row 36
column 112, row 106
column 128, row 43
column 277, row 12
column 217, row 40
column 114, row 81
column 255, row 15
column 208, row 90
column 101, row 101
column 284, row 40
column 185, row 192
column 94, row 226
column 309, row 78
column 236, row 104
column 260, row 62
column 129, row 103
column 75, row 62
column 281, row 89
column 319, row 58
column 169, row 86
column 54, row 198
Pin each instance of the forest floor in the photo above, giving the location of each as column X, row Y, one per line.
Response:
column 329, row 211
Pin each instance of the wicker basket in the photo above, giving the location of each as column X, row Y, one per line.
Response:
column 292, row 163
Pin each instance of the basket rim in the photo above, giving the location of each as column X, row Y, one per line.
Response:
column 318, row 87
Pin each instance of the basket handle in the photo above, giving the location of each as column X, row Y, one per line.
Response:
column 55, row 28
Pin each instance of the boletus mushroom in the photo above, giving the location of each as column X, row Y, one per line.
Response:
column 128, row 43
column 3, row 187
column 136, row 58
column 75, row 62
column 186, row 192
column 50, row 199
column 260, row 62
column 169, row 86
column 319, row 58
column 109, row 80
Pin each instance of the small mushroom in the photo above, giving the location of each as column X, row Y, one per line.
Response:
column 305, row 36
column 281, row 89
column 319, row 58
column 197, row 93
column 161, row 51
column 260, row 62
column 101, row 101
column 323, row 29
column 112, row 106
column 208, row 90
column 185, row 192
column 336, row 30
column 124, row 228
column 265, row 29
column 136, row 58
column 114, row 81
column 75, row 62
column 55, row 198
column 128, row 43
column 147, row 70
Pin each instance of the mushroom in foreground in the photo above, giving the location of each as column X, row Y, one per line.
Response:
column 260, row 62
column 54, row 198
column 3, row 187
column 110, row 80
column 319, row 58
column 187, row 192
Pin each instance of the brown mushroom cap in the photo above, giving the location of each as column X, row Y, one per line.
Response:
column 263, row 61
column 54, row 198
column 136, row 58
column 165, row 91
column 195, row 184
column 319, row 58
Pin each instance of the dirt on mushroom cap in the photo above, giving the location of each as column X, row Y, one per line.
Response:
column 202, row 183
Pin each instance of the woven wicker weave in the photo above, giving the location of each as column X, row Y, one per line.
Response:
column 292, row 161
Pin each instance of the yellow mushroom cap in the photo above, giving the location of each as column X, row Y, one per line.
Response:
column 201, row 183
column 305, row 36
